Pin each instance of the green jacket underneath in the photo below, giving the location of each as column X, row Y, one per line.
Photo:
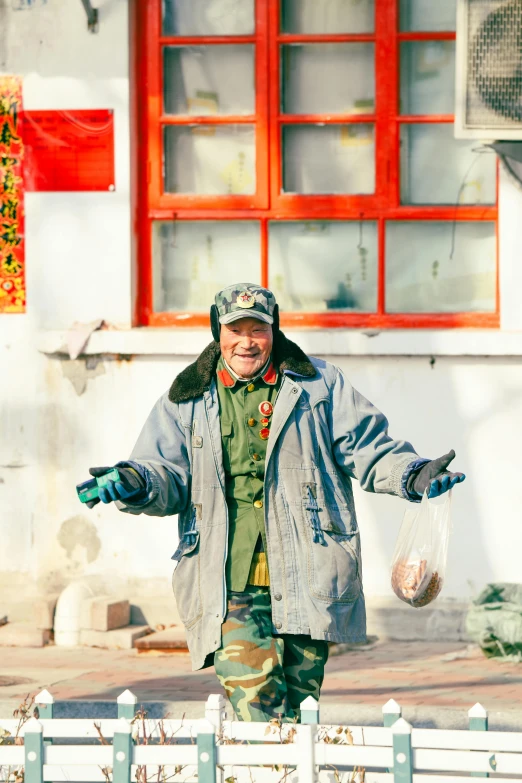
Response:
column 244, row 452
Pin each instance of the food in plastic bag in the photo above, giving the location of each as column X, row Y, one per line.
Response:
column 419, row 560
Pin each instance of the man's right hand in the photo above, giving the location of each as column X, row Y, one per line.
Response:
column 130, row 485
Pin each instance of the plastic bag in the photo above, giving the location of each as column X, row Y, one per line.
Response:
column 419, row 561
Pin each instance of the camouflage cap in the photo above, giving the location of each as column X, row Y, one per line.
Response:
column 245, row 300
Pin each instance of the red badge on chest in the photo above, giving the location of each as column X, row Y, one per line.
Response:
column 266, row 408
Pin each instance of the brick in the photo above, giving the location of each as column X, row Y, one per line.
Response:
column 118, row 639
column 105, row 614
column 23, row 635
column 43, row 612
column 169, row 639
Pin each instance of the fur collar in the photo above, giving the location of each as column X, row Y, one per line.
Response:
column 196, row 378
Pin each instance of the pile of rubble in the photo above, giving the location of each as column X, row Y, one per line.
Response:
column 104, row 621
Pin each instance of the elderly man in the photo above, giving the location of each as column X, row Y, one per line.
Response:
column 255, row 447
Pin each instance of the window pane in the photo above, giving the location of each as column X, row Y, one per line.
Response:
column 422, row 278
column 333, row 16
column 421, row 15
column 209, row 159
column 208, row 17
column 324, row 78
column 192, row 260
column 329, row 158
column 322, row 266
column 438, row 169
column 428, row 77
column 209, row 79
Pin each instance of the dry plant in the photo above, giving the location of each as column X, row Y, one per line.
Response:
column 23, row 713
column 141, row 737
column 287, row 733
column 342, row 736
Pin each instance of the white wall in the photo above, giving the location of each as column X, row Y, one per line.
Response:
column 78, row 249
column 59, row 417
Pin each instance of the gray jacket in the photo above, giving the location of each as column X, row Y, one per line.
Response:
column 323, row 435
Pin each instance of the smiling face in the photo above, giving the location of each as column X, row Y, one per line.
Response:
column 246, row 345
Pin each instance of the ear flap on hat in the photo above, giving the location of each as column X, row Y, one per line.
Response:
column 275, row 315
column 215, row 326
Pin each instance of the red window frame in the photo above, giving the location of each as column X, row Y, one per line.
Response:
column 269, row 203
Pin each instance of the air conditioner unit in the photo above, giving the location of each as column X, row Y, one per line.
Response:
column 489, row 70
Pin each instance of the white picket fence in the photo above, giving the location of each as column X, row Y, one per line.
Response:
column 216, row 750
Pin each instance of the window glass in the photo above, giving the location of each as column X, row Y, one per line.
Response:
column 192, row 259
column 328, row 78
column 427, row 77
column 327, row 16
column 209, row 79
column 422, row 277
column 324, row 266
column 208, row 17
column 436, row 168
column 329, row 158
column 421, row 15
column 210, row 159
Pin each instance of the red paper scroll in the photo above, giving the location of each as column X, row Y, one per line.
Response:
column 69, row 150
column 12, row 257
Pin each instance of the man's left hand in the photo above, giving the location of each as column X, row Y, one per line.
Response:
column 434, row 478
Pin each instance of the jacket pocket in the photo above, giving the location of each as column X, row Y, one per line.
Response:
column 187, row 545
column 186, row 579
column 333, row 555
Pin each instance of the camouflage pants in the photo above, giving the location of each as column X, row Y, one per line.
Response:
column 266, row 676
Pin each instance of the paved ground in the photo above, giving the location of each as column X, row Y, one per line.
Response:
column 428, row 679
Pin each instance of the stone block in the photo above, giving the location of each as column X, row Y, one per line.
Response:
column 103, row 613
column 154, row 611
column 169, row 639
column 118, row 639
column 43, row 612
column 23, row 635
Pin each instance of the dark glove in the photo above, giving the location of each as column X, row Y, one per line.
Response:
column 434, row 477
column 130, row 485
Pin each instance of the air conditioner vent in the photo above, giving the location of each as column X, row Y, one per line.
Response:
column 489, row 69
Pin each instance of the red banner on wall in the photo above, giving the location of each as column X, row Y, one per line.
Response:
column 12, row 255
column 69, row 150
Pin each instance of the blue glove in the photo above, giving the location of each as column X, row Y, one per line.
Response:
column 434, row 478
column 131, row 485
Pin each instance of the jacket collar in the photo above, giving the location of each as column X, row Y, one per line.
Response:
column 197, row 377
column 227, row 378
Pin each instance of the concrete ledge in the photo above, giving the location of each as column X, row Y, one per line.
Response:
column 388, row 618
column 169, row 639
column 177, row 341
column 444, row 620
column 119, row 639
